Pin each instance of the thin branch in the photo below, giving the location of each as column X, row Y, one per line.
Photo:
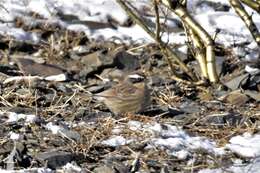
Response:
column 157, row 17
column 165, row 49
column 178, row 9
column 238, row 7
column 252, row 4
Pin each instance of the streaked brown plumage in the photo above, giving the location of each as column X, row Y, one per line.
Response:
column 126, row 97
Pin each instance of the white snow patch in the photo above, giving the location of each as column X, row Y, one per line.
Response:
column 179, row 143
column 69, row 167
column 117, row 130
column 252, row 167
column 183, row 49
column 115, row 141
column 18, row 33
column 15, row 136
column 53, row 128
column 21, row 78
column 134, row 125
column 176, row 141
column 13, row 117
column 232, row 28
column 182, row 154
column 250, row 69
column 57, row 78
column 29, row 170
column 83, row 10
column 246, row 145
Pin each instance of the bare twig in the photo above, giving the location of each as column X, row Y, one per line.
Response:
column 252, row 4
column 238, row 7
column 165, row 49
column 158, row 28
column 178, row 9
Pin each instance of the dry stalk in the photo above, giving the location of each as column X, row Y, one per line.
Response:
column 199, row 51
column 157, row 17
column 165, row 49
column 5, row 102
column 238, row 7
column 92, row 136
column 131, row 50
column 202, row 34
column 252, row 4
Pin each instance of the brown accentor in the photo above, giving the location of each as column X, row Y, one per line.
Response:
column 126, row 97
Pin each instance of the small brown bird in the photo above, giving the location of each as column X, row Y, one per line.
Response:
column 126, row 97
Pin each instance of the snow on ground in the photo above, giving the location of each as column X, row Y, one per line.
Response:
column 247, row 145
column 179, row 144
column 171, row 138
column 69, row 167
column 30, row 170
column 13, row 117
column 253, row 167
column 74, row 15
column 232, row 28
column 84, row 10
